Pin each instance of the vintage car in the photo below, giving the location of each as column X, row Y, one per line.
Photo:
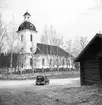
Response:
column 42, row 80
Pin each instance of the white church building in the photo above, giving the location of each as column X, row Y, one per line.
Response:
column 36, row 55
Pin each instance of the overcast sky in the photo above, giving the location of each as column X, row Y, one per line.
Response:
column 69, row 17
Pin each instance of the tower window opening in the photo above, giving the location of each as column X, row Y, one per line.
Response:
column 21, row 37
column 31, row 26
column 31, row 37
column 43, row 61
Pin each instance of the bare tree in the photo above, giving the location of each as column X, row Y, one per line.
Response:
column 75, row 47
column 83, row 42
column 11, row 38
column 3, row 32
column 51, row 37
column 68, row 48
column 20, row 50
column 45, row 36
column 78, row 45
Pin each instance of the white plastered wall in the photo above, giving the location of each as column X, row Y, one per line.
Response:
column 27, row 43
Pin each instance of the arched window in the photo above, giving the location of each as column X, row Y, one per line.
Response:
column 63, row 62
column 31, row 49
column 22, row 64
column 50, row 62
column 31, row 37
column 21, row 37
column 31, row 61
column 43, row 61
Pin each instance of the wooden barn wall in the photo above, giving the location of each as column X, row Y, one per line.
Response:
column 91, row 71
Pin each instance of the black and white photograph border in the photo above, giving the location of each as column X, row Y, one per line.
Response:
column 50, row 52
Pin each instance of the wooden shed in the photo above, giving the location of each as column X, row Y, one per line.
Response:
column 91, row 62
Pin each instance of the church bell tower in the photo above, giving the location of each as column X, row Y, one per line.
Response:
column 28, row 36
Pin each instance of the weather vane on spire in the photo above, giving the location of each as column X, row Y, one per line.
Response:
column 99, row 31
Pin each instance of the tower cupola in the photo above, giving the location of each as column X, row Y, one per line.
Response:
column 26, row 24
column 27, row 16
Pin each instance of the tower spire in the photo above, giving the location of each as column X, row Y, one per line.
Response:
column 27, row 16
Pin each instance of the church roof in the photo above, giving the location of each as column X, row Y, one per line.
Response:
column 50, row 50
column 27, row 25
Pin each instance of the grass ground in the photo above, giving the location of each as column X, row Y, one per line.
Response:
column 45, row 95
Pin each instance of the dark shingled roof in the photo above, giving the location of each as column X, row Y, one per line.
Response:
column 27, row 25
column 51, row 50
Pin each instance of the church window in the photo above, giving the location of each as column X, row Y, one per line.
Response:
column 31, row 37
column 43, row 61
column 50, row 62
column 22, row 64
column 63, row 62
column 21, row 37
column 31, row 49
column 31, row 61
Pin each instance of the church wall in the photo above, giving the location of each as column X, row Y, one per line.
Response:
column 27, row 39
column 27, row 62
column 53, row 64
column 30, row 43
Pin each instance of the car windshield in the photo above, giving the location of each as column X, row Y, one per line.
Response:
column 40, row 78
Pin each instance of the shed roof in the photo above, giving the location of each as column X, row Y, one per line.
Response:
column 93, row 46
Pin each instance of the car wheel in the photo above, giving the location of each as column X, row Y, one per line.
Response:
column 36, row 84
